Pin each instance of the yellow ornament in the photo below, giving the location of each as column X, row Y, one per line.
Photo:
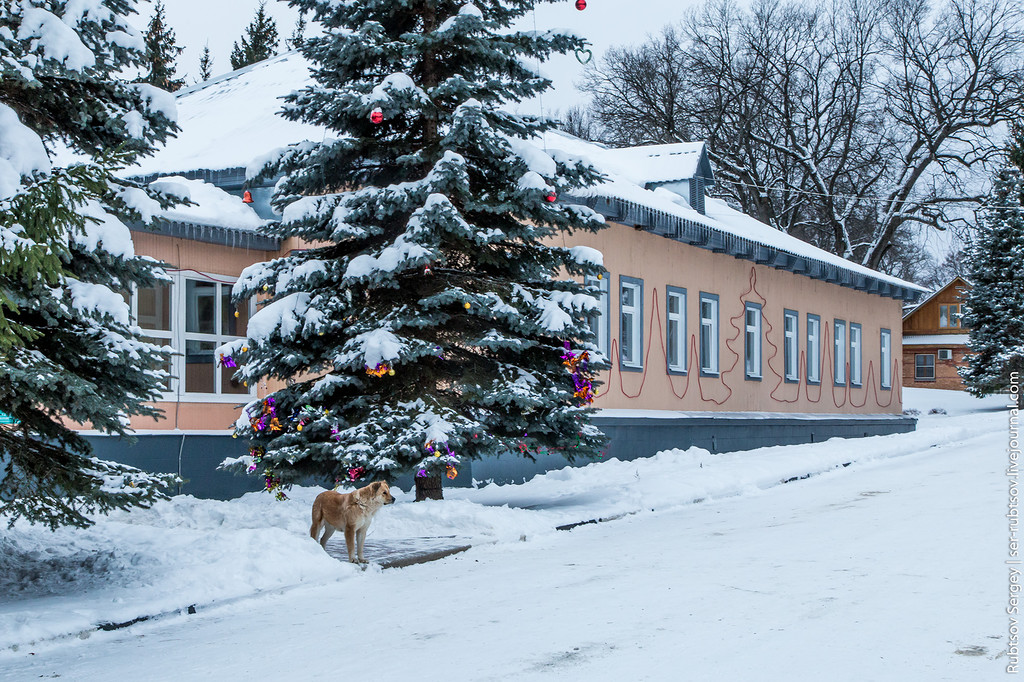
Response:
column 320, row 334
column 600, row 276
column 236, row 313
column 391, row 372
column 467, row 305
column 266, row 287
column 234, row 435
column 299, row 427
column 245, row 349
column 245, row 383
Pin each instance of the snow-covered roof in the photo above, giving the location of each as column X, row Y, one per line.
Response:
column 230, row 120
column 960, row 281
column 658, row 163
column 935, row 340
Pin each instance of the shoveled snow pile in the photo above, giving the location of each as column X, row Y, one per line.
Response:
column 186, row 551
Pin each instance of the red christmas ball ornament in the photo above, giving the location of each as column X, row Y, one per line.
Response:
column 377, row 116
column 551, row 198
column 581, row 5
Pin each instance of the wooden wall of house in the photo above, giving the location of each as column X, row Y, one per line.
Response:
column 925, row 319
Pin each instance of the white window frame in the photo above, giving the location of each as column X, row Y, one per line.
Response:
column 856, row 354
column 839, row 352
column 709, row 348
column 177, row 338
column 791, row 345
column 752, row 341
column 675, row 321
column 885, row 374
column 813, row 349
column 918, row 366
column 599, row 323
column 633, row 330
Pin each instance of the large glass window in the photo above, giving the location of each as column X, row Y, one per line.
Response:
column 855, row 354
column 839, row 355
column 708, row 333
column 675, row 329
column 791, row 350
column 193, row 316
column 752, row 340
column 599, row 319
column 885, row 371
column 924, row 367
column 813, row 349
column 631, row 317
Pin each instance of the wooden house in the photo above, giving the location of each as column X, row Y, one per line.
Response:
column 934, row 339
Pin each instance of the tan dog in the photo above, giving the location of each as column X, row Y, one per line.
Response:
column 350, row 513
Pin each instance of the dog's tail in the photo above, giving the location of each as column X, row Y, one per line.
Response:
column 318, row 518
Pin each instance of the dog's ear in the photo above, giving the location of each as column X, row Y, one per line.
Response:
column 376, row 486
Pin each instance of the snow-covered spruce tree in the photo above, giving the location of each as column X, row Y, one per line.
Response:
column 259, row 41
column 65, row 255
column 428, row 322
column 995, row 303
column 161, row 51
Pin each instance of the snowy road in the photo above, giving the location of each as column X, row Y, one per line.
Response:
column 881, row 571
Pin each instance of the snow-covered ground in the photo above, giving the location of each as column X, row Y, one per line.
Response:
column 890, row 568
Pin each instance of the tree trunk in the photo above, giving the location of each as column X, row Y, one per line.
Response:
column 428, row 488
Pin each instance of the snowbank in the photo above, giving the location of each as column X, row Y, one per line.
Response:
column 186, row 551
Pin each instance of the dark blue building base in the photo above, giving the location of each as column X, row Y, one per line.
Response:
column 195, row 457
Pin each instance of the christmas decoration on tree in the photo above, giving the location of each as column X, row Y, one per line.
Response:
column 258, row 43
column 69, row 351
column 161, row 51
column 581, row 5
column 994, row 306
column 429, row 317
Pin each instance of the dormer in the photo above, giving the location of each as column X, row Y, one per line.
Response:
column 682, row 168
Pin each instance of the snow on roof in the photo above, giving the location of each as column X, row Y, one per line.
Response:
column 935, row 340
column 211, row 205
column 230, row 120
column 656, row 163
column 227, row 121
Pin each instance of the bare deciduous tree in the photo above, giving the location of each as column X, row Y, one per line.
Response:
column 845, row 124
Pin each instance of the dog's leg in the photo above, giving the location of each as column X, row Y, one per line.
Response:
column 360, row 539
column 328, row 532
column 314, row 529
column 350, row 543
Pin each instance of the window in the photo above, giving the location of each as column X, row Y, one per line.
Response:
column 791, row 349
column 752, row 340
column 945, row 354
column 924, row 367
column 631, row 317
column 708, row 334
column 599, row 319
column 949, row 315
column 885, row 374
column 839, row 359
column 151, row 310
column 675, row 330
column 813, row 349
column 855, row 354
column 193, row 315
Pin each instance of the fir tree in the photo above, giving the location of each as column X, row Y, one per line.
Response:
column 995, row 303
column 205, row 64
column 66, row 256
column 298, row 34
column 161, row 51
column 259, row 41
column 430, row 323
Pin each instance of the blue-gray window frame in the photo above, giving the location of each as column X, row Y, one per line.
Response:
column 787, row 314
column 747, row 306
column 884, row 362
column 836, row 323
column 817, row 347
column 718, row 334
column 860, row 352
column 669, row 291
column 623, row 280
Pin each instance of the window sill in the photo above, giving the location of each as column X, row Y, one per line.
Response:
column 630, row 368
column 709, row 373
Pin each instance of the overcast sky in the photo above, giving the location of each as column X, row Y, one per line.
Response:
column 219, row 23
